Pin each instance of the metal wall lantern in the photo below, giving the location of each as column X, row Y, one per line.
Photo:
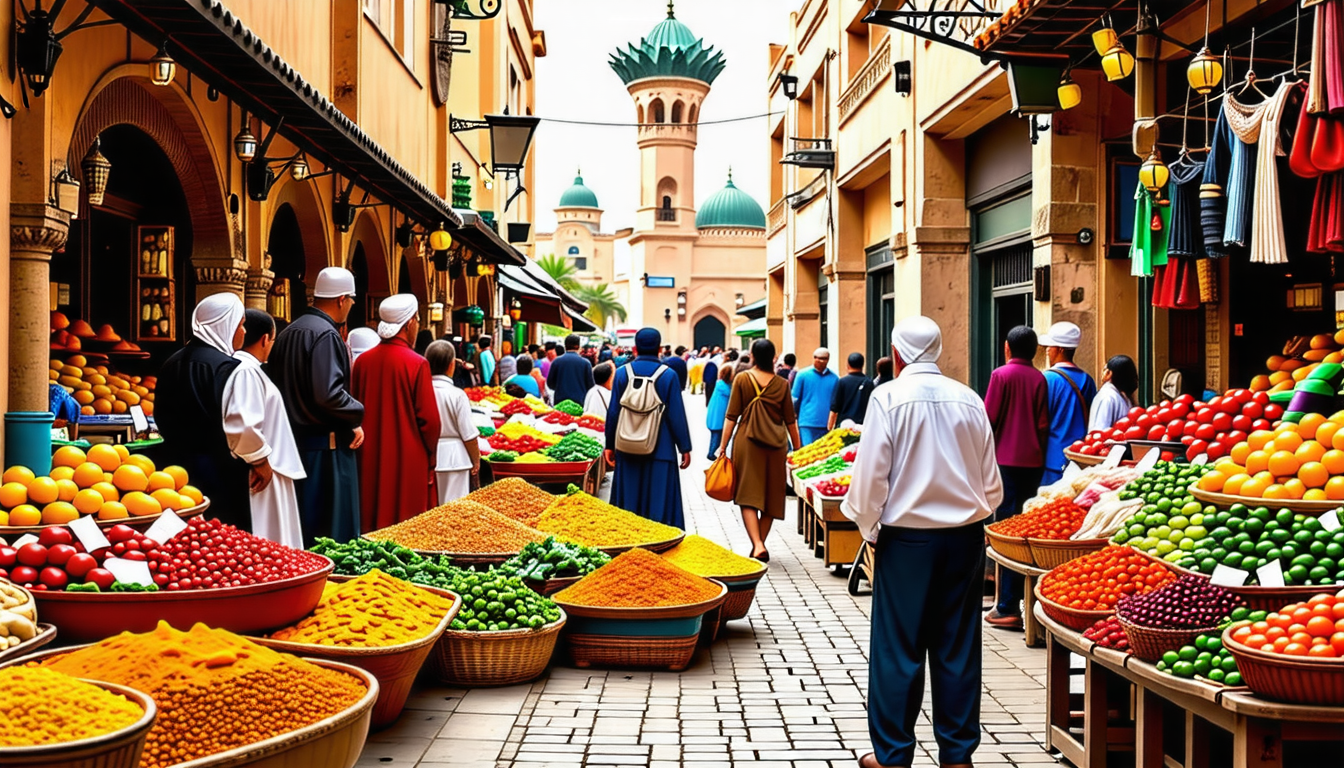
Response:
column 440, row 240
column 903, row 77
column 515, row 310
column 436, row 312
column 96, row 168
column 510, row 140
column 811, row 153
column 790, row 85
column 65, row 192
column 162, row 68
column 37, row 44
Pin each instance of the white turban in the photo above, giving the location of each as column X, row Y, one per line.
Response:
column 395, row 312
column 216, row 320
column 361, row 340
column 917, row 340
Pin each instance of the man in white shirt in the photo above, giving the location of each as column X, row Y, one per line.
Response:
column 925, row 479
column 598, row 399
column 459, row 455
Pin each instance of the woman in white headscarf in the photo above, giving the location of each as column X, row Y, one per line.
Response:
column 361, row 340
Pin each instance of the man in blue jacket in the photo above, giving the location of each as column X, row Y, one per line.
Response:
column 812, row 392
column 650, row 485
column 570, row 376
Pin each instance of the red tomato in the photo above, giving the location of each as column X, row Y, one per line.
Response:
column 1221, row 422
column 102, row 577
column 1273, row 412
column 33, row 555
column 60, row 554
column 23, row 575
column 1157, row 432
column 1324, row 651
column 50, row 537
column 1337, row 642
column 1206, row 432
column 1320, row 626
column 1242, row 423
column 80, row 564
column 54, row 578
column 1188, row 430
column 1216, row 450
column 8, row 557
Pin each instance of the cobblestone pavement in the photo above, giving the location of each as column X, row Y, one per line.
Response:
column 784, row 688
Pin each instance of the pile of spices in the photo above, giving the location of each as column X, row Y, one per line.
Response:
column 372, row 611
column 42, row 706
column 638, row 579
column 515, row 497
column 586, row 520
column 460, row 526
column 705, row 558
column 215, row 691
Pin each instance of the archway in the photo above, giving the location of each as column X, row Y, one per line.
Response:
column 709, row 332
column 313, row 225
column 359, row 267
column 284, row 244
column 368, row 250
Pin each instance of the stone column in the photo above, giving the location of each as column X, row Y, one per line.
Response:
column 35, row 230
column 212, row 279
column 257, row 288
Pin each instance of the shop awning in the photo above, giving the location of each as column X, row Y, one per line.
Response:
column 214, row 45
column 751, row 328
column 754, row 309
column 482, row 238
column 580, row 322
column 541, row 298
column 1059, row 29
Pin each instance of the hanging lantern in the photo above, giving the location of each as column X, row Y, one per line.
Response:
column 96, row 169
column 516, row 310
column 1117, row 63
column 299, row 168
column 1105, row 39
column 1153, row 173
column 162, row 68
column 440, row 240
column 1205, row 72
column 1070, row 93
column 245, row 145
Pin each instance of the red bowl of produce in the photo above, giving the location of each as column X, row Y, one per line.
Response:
column 252, row 609
column 1294, row 679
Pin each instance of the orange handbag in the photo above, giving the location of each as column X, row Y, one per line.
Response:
column 721, row 479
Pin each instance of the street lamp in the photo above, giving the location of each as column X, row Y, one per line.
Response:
column 667, row 314
column 162, row 68
column 516, row 310
column 790, row 85
column 510, row 138
column 245, row 144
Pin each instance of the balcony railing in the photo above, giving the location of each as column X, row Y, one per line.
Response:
column 775, row 219
column 811, row 153
column 866, row 81
column 666, row 214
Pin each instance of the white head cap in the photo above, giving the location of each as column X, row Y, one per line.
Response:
column 216, row 319
column 822, row 352
column 361, row 340
column 395, row 312
column 334, row 282
column 1063, row 335
column 917, row 340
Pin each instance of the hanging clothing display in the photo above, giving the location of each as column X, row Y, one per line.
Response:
column 1318, row 153
column 1325, row 234
column 1244, row 121
column 1148, row 249
column 1185, row 237
column 1267, row 241
column 1225, row 187
column 1326, row 92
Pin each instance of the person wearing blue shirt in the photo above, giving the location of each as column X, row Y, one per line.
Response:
column 571, row 376
column 650, row 486
column 1071, row 391
column 677, row 363
column 524, row 379
column 718, row 409
column 812, row 392
column 486, row 361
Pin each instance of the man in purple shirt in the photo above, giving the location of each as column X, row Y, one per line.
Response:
column 1018, row 405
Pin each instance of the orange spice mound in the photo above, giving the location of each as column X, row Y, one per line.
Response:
column 459, row 526
column 638, row 579
column 215, row 691
column 515, row 497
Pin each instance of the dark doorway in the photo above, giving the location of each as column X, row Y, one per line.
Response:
column 709, row 332
column 360, row 313
column 404, row 277
column 285, row 246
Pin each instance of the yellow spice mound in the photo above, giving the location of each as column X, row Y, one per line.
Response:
column 638, row 579
column 705, row 558
column 515, row 497
column 372, row 611
column 42, row 706
column 460, row 526
column 584, row 519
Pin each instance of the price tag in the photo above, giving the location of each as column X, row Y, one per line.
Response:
column 129, row 571
column 89, row 534
column 1270, row 574
column 1149, row 460
column 1226, row 576
column 166, row 527
column 1072, row 471
column 139, row 420
column 1330, row 520
column 1114, row 456
column 1200, row 460
column 26, row 538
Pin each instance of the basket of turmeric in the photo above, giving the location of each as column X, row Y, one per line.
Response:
column 638, row 611
column 467, row 532
column 83, row 723
column 385, row 626
column 712, row 561
column 226, row 702
column 585, row 519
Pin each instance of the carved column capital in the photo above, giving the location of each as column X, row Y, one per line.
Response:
column 230, row 277
column 258, row 285
column 36, row 230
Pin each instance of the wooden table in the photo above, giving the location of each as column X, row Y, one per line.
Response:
column 1033, row 634
column 1127, row 705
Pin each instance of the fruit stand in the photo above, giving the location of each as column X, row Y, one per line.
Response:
column 819, row 474
column 1033, row 633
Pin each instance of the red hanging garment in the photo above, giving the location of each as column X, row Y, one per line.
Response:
column 1327, row 144
column 1325, row 234
column 1299, row 157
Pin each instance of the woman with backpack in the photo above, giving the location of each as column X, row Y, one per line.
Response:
column 762, row 422
column 646, row 429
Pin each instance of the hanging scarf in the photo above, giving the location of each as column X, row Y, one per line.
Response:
column 1267, row 240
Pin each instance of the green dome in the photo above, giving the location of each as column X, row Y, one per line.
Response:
column 670, row 33
column 669, row 50
column 730, row 207
column 578, row 196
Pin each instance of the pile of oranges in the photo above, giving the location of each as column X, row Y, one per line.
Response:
column 1294, row 461
column 1314, row 628
column 108, row 482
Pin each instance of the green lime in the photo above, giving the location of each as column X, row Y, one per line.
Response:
column 1188, row 652
column 1179, row 522
column 1261, row 513
column 1232, row 560
column 1215, row 643
column 1228, row 664
column 1254, row 526
column 1216, row 675
column 1207, row 565
column 1232, row 678
column 1196, row 531
column 1284, row 517
column 1202, row 667
column 1202, row 642
column 1186, row 545
column 1184, row 669
column 1258, row 615
column 1170, row 657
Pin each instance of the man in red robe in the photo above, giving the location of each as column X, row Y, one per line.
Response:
column 401, row 420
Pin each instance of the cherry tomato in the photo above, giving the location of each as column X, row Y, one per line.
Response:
column 80, row 564
column 34, row 555
column 54, row 578
column 52, row 536
column 102, row 577
column 60, row 554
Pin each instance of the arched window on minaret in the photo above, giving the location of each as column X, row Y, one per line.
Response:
column 690, row 118
column 639, row 111
column 666, row 213
column 676, row 112
column 656, row 111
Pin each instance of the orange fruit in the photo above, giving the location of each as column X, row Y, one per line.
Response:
column 61, row 473
column 159, row 480
column 1287, row 440
column 141, row 504
column 1313, row 474
column 1309, row 451
column 59, row 513
column 105, row 456
column 129, row 477
column 1258, row 438
column 1337, row 441
column 1239, row 453
column 179, row 475
column 143, row 462
column 66, row 490
column 123, row 452
column 1234, row 483
column 1213, row 481
column 1295, row 488
column 1308, row 424
column 1260, row 383
column 87, row 475
column 108, row 491
column 88, row 501
column 169, row 499
column 107, row 477
column 67, row 456
column 1254, row 488
column 112, row 510
column 18, row 475
column 193, row 493
column 1283, row 464
column 1315, row 494
column 43, row 490
column 13, row 494
column 1325, row 434
column 25, row 514
column 1334, row 462
column 1334, row 489
column 1257, row 462
column 1275, row 491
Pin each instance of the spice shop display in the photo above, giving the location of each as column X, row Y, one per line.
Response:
column 47, row 707
column 708, row 559
column 468, row 530
column 554, row 560
column 584, row 519
column 515, row 497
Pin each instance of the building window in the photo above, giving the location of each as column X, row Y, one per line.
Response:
column 581, row 264
column 573, row 250
column 881, row 302
column 676, row 112
column 823, row 308
column 396, row 20
column 656, row 111
column 666, row 213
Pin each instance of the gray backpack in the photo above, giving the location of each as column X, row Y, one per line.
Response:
column 641, row 416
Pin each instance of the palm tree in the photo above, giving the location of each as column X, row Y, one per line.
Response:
column 561, row 271
column 602, row 303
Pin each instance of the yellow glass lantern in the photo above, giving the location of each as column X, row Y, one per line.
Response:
column 1070, row 93
column 162, row 68
column 1205, row 71
column 440, row 240
column 1104, row 39
column 1117, row 63
column 1153, row 174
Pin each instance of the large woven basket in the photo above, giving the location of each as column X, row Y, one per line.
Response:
column 671, row 653
column 741, row 593
column 1149, row 643
column 1050, row 553
column 1073, row 618
column 1014, row 548
column 551, row 586
column 1293, row 679
column 118, row 749
column 494, row 658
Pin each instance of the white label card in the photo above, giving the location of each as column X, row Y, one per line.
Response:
column 129, row 571
column 139, row 420
column 1330, row 520
column 1200, row 460
column 89, row 534
column 1072, row 471
column 166, row 527
column 1227, row 576
column 1149, row 460
column 26, row 538
column 1114, row 456
column 1270, row 574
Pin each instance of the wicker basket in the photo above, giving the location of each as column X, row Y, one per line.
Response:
column 1149, row 644
column 656, row 546
column 1293, row 679
column 551, row 586
column 711, row 625
column 1014, row 548
column 494, row 658
column 1051, row 553
column 1073, row 618
column 741, row 592
column 622, row 652
column 118, row 749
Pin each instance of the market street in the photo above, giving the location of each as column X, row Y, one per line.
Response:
column 784, row 687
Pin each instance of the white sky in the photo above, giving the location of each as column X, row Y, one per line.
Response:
column 574, row 82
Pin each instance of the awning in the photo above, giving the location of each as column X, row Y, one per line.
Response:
column 214, row 45
column 755, row 308
column 541, row 298
column 752, row 328
column 580, row 321
column 482, row 238
column 1061, row 29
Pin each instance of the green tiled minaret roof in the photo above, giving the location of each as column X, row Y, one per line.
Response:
column 730, row 207
column 669, row 50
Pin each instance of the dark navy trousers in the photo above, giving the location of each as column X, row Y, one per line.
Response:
column 1019, row 484
column 926, row 603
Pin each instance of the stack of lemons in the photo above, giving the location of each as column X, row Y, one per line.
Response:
column 108, row 482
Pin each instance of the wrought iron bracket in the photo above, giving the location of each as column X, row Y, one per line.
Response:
column 473, row 10
column 458, row 125
column 941, row 21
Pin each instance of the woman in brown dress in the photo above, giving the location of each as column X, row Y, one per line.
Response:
column 761, row 401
